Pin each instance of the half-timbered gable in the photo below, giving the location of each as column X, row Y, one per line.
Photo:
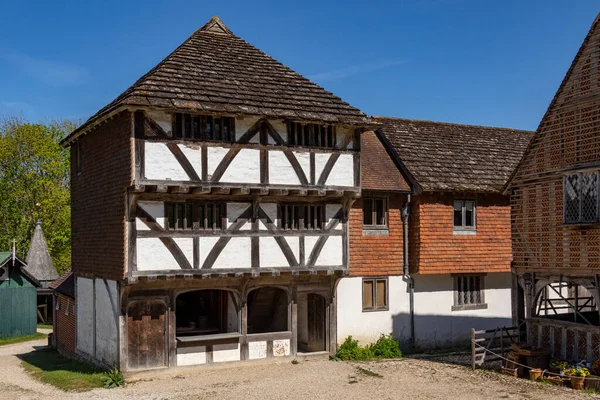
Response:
column 554, row 200
column 227, row 180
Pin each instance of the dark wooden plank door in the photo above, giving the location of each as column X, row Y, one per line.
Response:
column 146, row 335
column 316, row 322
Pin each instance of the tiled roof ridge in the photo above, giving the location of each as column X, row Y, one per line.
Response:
column 442, row 123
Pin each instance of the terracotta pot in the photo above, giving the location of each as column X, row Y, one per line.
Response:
column 535, row 374
column 577, row 382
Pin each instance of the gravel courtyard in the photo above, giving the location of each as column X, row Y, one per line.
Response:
column 315, row 379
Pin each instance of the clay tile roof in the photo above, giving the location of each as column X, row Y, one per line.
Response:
column 65, row 284
column 39, row 263
column 378, row 171
column 216, row 71
column 453, row 157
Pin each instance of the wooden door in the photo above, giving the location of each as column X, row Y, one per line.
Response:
column 146, row 335
column 316, row 322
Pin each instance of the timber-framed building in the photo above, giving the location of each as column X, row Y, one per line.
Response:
column 209, row 211
column 556, row 216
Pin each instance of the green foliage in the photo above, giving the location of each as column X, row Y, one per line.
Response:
column 34, row 185
column 385, row 347
column 19, row 339
column 295, row 362
column 113, row 378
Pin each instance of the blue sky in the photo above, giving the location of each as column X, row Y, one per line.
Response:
column 492, row 62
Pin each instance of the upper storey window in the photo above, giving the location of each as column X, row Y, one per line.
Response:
column 581, row 198
column 203, row 127
column 313, row 135
column 464, row 215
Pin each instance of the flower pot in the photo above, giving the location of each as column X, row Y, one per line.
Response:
column 535, row 374
column 577, row 382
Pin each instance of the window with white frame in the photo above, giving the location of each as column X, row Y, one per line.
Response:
column 464, row 215
column 580, row 203
column 468, row 292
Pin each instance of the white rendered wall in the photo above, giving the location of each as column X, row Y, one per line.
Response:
column 107, row 322
column 257, row 350
column 245, row 167
column 153, row 255
column 331, row 253
column 281, row 348
column 436, row 325
column 226, row 352
column 271, row 254
column 85, row 315
column 161, row 164
column 195, row 358
column 236, row 254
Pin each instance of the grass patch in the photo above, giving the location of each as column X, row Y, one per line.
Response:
column 44, row 326
column 19, row 339
column 50, row 367
column 368, row 372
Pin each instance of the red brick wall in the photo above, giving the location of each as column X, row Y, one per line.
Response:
column 373, row 255
column 440, row 251
column 98, row 197
column 64, row 326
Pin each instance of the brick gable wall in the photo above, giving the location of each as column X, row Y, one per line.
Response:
column 377, row 255
column 98, row 198
column 64, row 326
column 441, row 251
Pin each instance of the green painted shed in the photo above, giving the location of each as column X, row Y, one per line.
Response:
column 18, row 297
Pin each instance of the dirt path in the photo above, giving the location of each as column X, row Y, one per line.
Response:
column 408, row 378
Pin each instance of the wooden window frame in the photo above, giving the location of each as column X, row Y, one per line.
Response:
column 300, row 210
column 461, row 306
column 199, row 222
column 463, row 227
column 375, row 308
column 195, row 127
column 580, row 221
column 386, row 210
column 311, row 135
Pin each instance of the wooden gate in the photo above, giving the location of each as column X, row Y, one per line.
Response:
column 316, row 322
column 147, row 334
column 497, row 341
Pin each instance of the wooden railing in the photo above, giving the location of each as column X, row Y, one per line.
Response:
column 497, row 341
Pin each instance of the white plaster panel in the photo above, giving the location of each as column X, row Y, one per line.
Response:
column 304, row 161
column 330, row 211
column 194, row 155
column 242, row 125
column 161, row 164
column 281, row 348
column 152, row 254
column 271, row 254
column 331, row 253
column 156, row 209
column 107, row 322
column 271, row 210
column 342, row 173
column 236, row 254
column 85, row 315
column 192, row 358
column 162, row 119
column 234, row 210
column 281, row 127
column 281, row 171
column 341, row 134
column 214, row 157
column 245, row 168
column 257, row 350
column 226, row 352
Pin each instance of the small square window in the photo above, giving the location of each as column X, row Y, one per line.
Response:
column 464, row 215
column 469, row 292
column 375, row 294
column 375, row 213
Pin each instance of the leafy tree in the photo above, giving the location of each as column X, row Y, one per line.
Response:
column 34, row 185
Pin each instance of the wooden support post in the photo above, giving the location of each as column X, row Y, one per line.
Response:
column 473, row 348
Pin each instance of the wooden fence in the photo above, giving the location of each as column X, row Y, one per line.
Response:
column 497, row 341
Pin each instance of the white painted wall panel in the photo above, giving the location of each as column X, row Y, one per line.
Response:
column 281, row 348
column 162, row 119
column 342, row 173
column 153, row 255
column 226, row 352
column 330, row 211
column 235, row 255
column 271, row 210
column 271, row 254
column 234, row 210
column 192, row 358
column 281, row 127
column 107, row 322
column 194, row 155
column 245, row 168
column 214, row 157
column 156, row 209
column 161, row 164
column 304, row 161
column 281, row 171
column 257, row 350
column 85, row 315
column 331, row 254
column 242, row 125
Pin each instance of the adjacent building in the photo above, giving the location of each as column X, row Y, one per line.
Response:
column 556, row 216
column 18, row 306
column 430, row 244
column 210, row 207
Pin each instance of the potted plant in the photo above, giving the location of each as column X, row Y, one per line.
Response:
column 558, row 366
column 535, row 374
column 577, row 375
